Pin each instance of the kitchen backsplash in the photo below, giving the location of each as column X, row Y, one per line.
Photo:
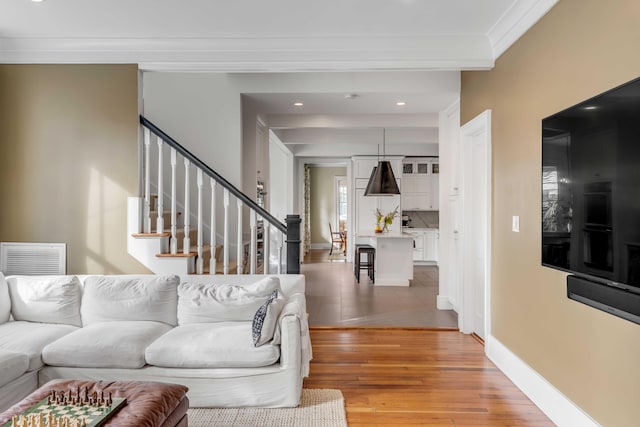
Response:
column 423, row 219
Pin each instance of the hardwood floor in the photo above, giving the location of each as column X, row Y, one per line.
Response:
column 395, row 376
column 401, row 373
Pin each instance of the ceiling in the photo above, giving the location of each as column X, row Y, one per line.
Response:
column 389, row 39
column 275, row 35
column 351, row 123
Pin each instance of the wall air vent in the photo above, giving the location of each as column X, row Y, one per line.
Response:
column 33, row 258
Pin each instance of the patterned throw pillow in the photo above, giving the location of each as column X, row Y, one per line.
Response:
column 265, row 319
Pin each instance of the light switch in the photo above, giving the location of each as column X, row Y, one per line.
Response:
column 515, row 224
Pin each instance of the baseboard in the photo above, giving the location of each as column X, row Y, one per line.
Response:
column 558, row 407
column 443, row 303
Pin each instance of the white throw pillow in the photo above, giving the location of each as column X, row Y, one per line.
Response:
column 202, row 303
column 5, row 301
column 46, row 299
column 130, row 297
column 265, row 319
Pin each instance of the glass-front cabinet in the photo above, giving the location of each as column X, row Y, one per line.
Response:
column 420, row 184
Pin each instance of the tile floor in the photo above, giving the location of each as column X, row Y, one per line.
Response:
column 334, row 298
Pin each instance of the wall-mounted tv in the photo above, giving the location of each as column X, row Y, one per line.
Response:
column 591, row 199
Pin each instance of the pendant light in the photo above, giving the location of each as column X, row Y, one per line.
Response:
column 382, row 181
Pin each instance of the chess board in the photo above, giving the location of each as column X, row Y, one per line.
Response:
column 94, row 416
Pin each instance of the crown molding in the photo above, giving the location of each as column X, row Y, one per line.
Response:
column 269, row 54
column 259, row 54
column 516, row 21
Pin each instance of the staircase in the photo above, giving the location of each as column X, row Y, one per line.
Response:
column 232, row 233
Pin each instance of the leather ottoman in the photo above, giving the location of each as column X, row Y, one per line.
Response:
column 149, row 404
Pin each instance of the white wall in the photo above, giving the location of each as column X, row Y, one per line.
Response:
column 204, row 111
column 280, row 189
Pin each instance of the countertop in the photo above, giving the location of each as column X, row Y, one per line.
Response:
column 409, row 229
column 390, row 235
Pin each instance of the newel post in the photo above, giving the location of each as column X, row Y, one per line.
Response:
column 293, row 244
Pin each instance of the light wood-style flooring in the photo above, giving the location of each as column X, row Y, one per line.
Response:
column 335, row 298
column 416, row 377
column 397, row 359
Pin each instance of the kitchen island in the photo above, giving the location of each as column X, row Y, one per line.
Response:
column 394, row 257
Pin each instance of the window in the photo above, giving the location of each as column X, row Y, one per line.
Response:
column 341, row 202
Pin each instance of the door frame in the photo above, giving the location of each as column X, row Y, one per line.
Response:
column 478, row 127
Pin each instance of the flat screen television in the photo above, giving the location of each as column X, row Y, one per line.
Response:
column 591, row 198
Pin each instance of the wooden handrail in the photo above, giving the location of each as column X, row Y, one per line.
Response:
column 213, row 174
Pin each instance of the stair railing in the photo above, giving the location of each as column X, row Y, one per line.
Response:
column 289, row 233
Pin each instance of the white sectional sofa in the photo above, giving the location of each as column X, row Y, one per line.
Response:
column 230, row 338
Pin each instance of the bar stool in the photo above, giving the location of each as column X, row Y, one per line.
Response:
column 370, row 251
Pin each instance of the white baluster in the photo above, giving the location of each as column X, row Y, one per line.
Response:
column 147, row 181
column 173, row 242
column 253, row 250
column 159, row 202
column 186, row 242
column 225, row 261
column 240, row 254
column 199, row 261
column 212, row 261
column 280, row 244
column 265, row 246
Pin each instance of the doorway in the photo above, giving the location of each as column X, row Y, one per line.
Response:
column 323, row 193
column 476, row 208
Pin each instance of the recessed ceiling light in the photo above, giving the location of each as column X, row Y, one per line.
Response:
column 298, row 104
column 37, row 1
column 401, row 103
column 590, row 107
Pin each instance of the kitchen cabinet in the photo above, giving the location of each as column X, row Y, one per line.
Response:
column 420, row 180
column 393, row 265
column 363, row 166
column 418, row 246
column 365, row 206
column 431, row 245
column 425, row 244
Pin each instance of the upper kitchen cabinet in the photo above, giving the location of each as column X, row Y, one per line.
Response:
column 420, row 184
column 365, row 206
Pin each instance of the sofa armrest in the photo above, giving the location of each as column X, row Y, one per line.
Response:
column 295, row 343
column 290, row 350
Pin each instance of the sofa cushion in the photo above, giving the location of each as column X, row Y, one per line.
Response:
column 128, row 297
column 105, row 345
column 5, row 301
column 12, row 365
column 208, row 303
column 265, row 320
column 210, row 345
column 46, row 299
column 29, row 338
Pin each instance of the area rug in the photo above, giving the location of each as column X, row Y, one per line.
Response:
column 318, row 408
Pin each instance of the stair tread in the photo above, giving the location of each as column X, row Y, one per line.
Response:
column 178, row 255
column 165, row 234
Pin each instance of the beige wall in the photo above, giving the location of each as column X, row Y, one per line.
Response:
column 579, row 49
column 68, row 160
column 323, row 201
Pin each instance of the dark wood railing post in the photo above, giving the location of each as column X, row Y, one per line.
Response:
column 293, row 244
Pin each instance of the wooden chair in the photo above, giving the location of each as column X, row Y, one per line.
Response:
column 336, row 238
